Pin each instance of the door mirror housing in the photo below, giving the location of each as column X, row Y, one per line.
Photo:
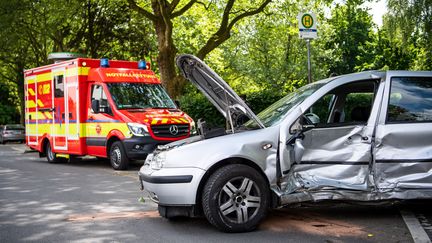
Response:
column 177, row 103
column 95, row 106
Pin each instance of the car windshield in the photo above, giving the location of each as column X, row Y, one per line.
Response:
column 139, row 96
column 14, row 127
column 278, row 110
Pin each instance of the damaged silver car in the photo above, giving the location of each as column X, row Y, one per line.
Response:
column 359, row 137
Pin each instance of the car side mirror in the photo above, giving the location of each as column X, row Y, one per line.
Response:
column 177, row 103
column 95, row 106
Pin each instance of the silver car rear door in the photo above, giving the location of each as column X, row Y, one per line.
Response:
column 403, row 151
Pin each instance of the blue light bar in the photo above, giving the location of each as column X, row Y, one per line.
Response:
column 104, row 62
column 142, row 64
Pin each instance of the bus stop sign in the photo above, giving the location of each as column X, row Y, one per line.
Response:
column 307, row 26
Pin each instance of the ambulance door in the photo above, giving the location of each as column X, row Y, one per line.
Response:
column 60, row 119
column 72, row 113
column 31, row 121
column 98, row 122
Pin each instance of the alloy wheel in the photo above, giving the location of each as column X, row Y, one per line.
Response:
column 239, row 200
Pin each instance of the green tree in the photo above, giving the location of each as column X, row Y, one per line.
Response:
column 95, row 28
column 163, row 13
column 411, row 22
column 351, row 27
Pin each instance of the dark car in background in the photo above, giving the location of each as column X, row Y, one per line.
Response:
column 12, row 132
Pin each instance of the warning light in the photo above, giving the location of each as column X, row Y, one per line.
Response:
column 142, row 64
column 104, row 62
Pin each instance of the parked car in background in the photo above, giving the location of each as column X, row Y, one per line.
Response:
column 362, row 137
column 12, row 133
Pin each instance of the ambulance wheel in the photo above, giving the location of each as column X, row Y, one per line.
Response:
column 51, row 156
column 235, row 198
column 118, row 158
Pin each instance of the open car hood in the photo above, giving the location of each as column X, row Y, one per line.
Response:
column 215, row 89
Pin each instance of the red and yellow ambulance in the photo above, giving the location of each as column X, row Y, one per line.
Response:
column 104, row 108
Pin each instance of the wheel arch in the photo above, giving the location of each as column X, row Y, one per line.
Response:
column 109, row 142
column 44, row 142
column 220, row 164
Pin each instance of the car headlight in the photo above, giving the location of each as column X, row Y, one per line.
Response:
column 138, row 129
column 156, row 161
column 193, row 130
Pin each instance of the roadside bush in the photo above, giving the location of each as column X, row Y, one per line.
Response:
column 197, row 106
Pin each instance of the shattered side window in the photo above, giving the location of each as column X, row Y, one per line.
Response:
column 410, row 100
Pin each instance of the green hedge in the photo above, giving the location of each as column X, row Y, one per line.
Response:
column 197, row 106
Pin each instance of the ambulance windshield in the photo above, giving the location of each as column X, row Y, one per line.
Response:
column 140, row 96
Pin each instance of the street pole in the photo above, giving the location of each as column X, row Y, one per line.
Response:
column 309, row 61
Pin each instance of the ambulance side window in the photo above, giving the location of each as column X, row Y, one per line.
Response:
column 99, row 94
column 58, row 86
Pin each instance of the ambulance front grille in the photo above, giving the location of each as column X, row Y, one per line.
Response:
column 171, row 130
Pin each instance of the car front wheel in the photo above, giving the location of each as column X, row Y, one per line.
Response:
column 235, row 198
column 118, row 158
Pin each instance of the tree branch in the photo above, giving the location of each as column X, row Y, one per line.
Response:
column 184, row 9
column 142, row 11
column 173, row 5
column 248, row 13
column 225, row 17
column 223, row 33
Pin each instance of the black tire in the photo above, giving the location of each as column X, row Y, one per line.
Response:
column 51, row 156
column 235, row 198
column 118, row 157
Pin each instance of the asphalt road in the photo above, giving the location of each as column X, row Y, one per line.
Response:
column 87, row 201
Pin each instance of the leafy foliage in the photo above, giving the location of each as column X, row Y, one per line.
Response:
column 259, row 55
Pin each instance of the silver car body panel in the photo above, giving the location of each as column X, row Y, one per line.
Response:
column 349, row 162
column 403, row 151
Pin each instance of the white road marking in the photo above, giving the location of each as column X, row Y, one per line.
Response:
column 417, row 232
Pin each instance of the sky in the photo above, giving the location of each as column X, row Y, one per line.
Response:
column 377, row 8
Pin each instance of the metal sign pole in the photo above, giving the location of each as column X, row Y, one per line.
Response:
column 308, row 31
column 309, row 61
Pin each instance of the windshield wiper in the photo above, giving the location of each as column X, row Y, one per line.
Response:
column 133, row 108
column 161, row 107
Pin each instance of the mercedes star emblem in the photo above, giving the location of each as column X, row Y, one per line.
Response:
column 173, row 130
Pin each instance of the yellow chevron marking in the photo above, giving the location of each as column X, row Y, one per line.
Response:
column 154, row 121
column 164, row 121
column 30, row 104
column 176, row 120
column 48, row 114
column 184, row 120
column 39, row 102
column 31, row 91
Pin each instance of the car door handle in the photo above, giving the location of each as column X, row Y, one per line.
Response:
column 364, row 138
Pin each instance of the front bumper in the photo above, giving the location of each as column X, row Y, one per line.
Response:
column 13, row 137
column 138, row 147
column 171, row 186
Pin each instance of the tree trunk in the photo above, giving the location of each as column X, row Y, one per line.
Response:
column 167, row 51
